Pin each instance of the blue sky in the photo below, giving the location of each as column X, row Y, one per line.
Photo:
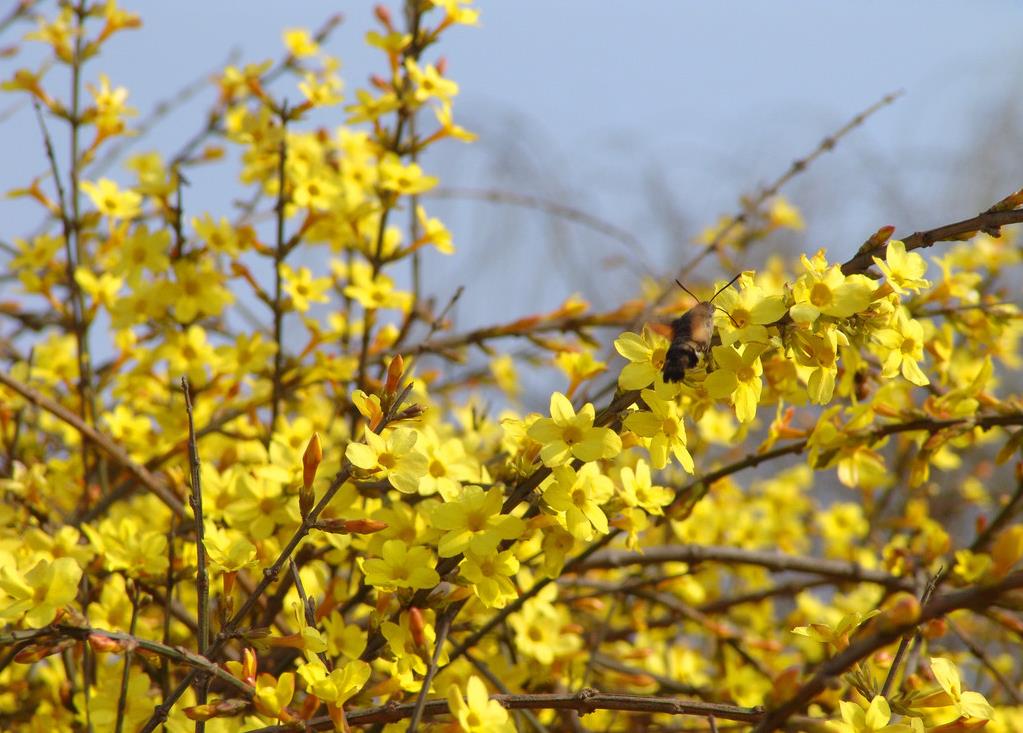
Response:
column 654, row 116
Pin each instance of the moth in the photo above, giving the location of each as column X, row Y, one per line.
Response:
column 691, row 334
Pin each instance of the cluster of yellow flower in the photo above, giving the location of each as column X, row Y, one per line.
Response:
column 415, row 522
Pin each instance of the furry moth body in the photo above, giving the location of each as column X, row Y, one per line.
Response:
column 691, row 335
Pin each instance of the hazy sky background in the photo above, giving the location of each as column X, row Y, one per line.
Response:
column 654, row 116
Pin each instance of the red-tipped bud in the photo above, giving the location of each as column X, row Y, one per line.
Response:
column 101, row 643
column 34, row 652
column 310, row 462
column 218, row 709
column 394, row 371
column 384, row 16
column 417, row 626
column 350, row 526
column 442, row 65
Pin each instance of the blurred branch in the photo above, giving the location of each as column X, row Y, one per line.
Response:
column 777, row 561
column 100, row 440
column 977, row 597
column 624, row 237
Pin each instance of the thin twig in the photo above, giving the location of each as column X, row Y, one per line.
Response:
column 584, row 701
column 202, row 577
column 977, row 597
column 905, row 641
column 280, row 252
column 798, row 166
column 776, row 561
column 101, row 440
column 270, row 575
column 983, row 658
column 443, row 627
column 129, row 652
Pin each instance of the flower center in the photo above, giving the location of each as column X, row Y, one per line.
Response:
column 387, row 460
column 820, row 295
column 572, row 435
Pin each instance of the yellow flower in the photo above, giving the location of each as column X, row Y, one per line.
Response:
column 646, row 358
column 199, row 290
column 747, row 312
column 566, row 435
column 40, row 592
column 142, row 249
column 375, row 291
column 968, row 704
column 474, row 522
column 303, row 287
column 404, row 180
column 128, row 544
column 476, row 712
column 429, row 83
column 392, row 456
column 904, row 344
column 579, row 366
column 336, row 686
column 112, row 201
column 299, row 43
column 903, row 270
column 782, row 214
column 433, row 232
column 221, row 236
column 447, row 124
column 101, row 288
column 737, row 378
column 874, row 719
column 273, row 695
column 400, row 566
column 662, row 425
column 110, row 109
column 824, row 290
column 229, row 549
column 458, row 11
column 637, row 490
column 579, row 496
column 490, row 576
column 819, row 352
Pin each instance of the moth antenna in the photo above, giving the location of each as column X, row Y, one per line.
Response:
column 729, row 316
column 688, row 291
column 723, row 287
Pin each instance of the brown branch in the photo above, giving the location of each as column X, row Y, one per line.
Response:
column 50, row 634
column 585, row 701
column 798, row 166
column 279, row 254
column 776, row 561
column 202, row 576
column 988, row 221
column 100, row 440
column 977, row 597
column 623, row 236
column 270, row 574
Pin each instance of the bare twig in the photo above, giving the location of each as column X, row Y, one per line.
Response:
column 584, row 701
column 904, row 642
column 443, row 627
column 976, row 597
column 270, row 575
column 101, row 440
column 129, row 652
column 777, row 561
column 280, row 252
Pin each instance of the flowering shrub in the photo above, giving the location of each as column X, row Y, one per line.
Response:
column 300, row 526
